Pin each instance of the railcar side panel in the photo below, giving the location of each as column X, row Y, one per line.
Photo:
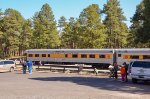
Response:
column 72, row 56
column 128, row 55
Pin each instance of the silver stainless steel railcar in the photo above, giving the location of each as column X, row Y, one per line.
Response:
column 128, row 55
column 95, row 57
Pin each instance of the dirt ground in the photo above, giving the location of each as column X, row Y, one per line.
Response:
column 54, row 85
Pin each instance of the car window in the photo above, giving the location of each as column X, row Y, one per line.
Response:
column 136, row 64
column 146, row 64
column 141, row 64
column 8, row 62
column 1, row 63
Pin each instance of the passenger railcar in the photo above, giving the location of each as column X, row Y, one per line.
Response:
column 100, row 58
column 72, row 56
column 128, row 55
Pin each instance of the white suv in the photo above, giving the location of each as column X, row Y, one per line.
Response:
column 139, row 70
column 7, row 65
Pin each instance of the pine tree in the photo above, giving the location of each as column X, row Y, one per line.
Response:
column 92, row 32
column 62, row 24
column 1, row 32
column 140, row 28
column 135, row 35
column 69, row 35
column 45, row 30
column 117, row 30
column 1, row 35
column 26, row 35
column 146, row 23
column 12, row 28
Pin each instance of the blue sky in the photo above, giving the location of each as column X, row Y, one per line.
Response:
column 67, row 8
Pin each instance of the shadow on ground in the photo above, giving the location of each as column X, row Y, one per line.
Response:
column 103, row 83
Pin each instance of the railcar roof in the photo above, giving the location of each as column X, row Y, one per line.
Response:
column 128, row 49
column 134, row 49
column 6, row 60
column 69, row 49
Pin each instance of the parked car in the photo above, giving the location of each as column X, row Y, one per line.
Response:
column 7, row 65
column 139, row 70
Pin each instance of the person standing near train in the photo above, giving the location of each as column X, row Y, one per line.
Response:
column 116, row 70
column 123, row 73
column 126, row 71
column 29, row 63
column 24, row 66
column 111, row 69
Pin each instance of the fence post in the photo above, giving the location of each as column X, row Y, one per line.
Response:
column 50, row 68
column 64, row 70
column 80, row 67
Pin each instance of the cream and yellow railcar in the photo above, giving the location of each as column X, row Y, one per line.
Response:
column 127, row 55
column 87, row 56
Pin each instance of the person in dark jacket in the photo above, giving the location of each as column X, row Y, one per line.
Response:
column 116, row 70
column 24, row 66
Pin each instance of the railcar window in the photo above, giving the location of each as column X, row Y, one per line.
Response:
column 119, row 55
column 92, row 56
column 101, row 56
column 49, row 55
column 74, row 56
column 146, row 56
column 30, row 55
column 66, row 55
column 43, row 55
column 134, row 57
column 83, row 56
column 36, row 55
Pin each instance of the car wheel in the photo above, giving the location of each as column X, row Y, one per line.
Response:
column 11, row 69
column 134, row 80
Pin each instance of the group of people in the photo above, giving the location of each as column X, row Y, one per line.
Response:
column 113, row 69
column 25, row 65
column 123, row 71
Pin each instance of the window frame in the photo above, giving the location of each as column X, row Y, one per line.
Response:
column 43, row 55
column 36, row 55
column 83, row 55
column 102, row 56
column 74, row 55
column 30, row 55
column 92, row 56
column 146, row 56
column 134, row 57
